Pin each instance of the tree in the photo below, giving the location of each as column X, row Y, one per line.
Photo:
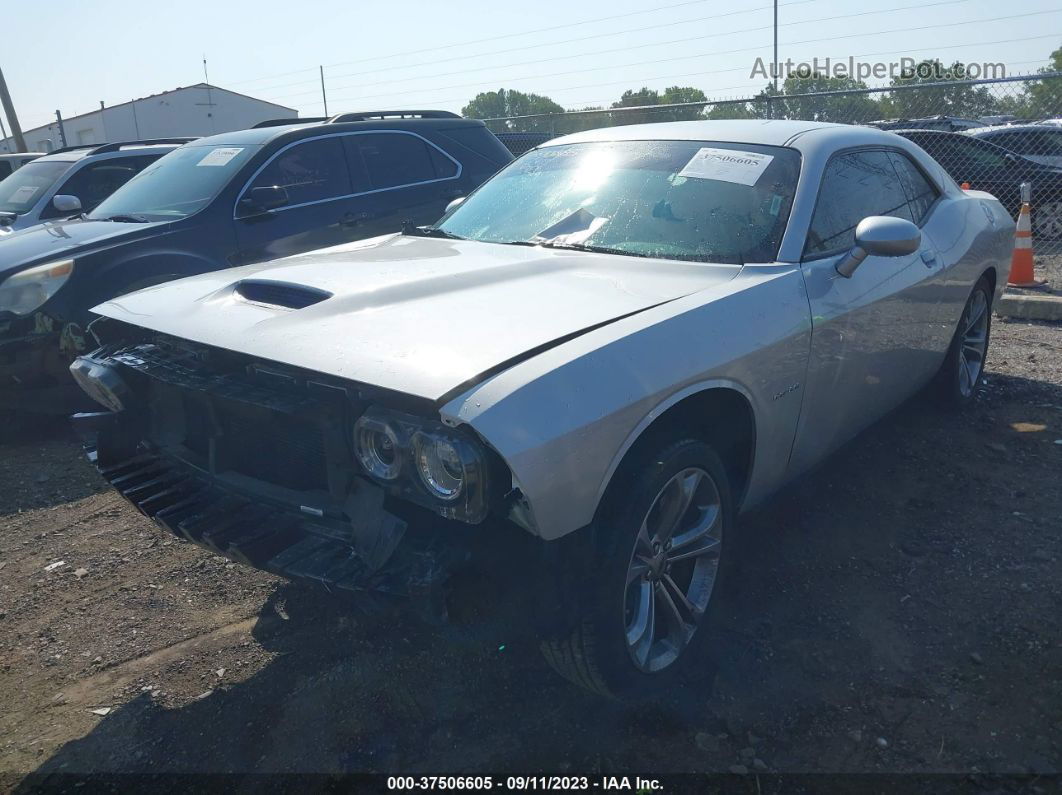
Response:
column 648, row 96
column 959, row 100
column 1044, row 97
column 506, row 103
column 846, row 108
column 733, row 110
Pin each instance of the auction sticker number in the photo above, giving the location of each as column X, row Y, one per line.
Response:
column 220, row 156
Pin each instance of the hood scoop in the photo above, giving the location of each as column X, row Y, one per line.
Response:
column 282, row 294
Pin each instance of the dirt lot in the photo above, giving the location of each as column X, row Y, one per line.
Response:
column 898, row 610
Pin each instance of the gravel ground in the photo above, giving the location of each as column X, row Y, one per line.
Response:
column 897, row 610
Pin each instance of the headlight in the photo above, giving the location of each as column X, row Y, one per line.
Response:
column 439, row 466
column 377, row 447
column 425, row 462
column 27, row 290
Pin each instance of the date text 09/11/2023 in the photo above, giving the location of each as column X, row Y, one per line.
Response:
column 524, row 783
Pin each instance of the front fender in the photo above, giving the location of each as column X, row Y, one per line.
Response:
column 563, row 420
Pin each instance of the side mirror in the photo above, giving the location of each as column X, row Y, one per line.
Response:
column 880, row 236
column 456, row 203
column 263, row 199
column 66, row 204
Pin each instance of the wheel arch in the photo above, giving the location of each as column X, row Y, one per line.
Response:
column 720, row 412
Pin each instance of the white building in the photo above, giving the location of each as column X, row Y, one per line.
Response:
column 200, row 109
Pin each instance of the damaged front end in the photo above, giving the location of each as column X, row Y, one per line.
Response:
column 309, row 477
column 35, row 352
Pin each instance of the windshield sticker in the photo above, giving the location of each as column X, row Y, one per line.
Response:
column 24, row 194
column 727, row 165
column 220, row 156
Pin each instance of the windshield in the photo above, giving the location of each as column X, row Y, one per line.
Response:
column 176, row 185
column 688, row 200
column 24, row 188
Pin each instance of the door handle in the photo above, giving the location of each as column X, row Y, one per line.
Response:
column 353, row 219
column 929, row 258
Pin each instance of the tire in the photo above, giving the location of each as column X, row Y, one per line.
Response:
column 613, row 650
column 957, row 380
column 1047, row 221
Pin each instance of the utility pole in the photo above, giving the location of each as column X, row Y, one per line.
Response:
column 324, row 97
column 62, row 130
column 12, row 119
column 776, row 69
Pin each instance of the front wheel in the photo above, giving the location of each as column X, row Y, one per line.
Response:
column 659, row 544
column 965, row 361
column 1047, row 221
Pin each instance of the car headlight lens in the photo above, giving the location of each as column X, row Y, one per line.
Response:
column 377, row 447
column 439, row 466
column 425, row 462
column 27, row 290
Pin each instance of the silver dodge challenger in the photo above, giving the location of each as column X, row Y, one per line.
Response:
column 576, row 380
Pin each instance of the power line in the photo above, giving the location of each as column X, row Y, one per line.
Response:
column 712, row 35
column 604, row 104
column 582, row 39
column 718, row 52
column 512, row 35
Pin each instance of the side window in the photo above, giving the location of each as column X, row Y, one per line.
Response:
column 854, row 186
column 96, row 181
column 5, row 168
column 395, row 159
column 920, row 191
column 1009, row 141
column 444, row 166
column 309, row 171
column 973, row 157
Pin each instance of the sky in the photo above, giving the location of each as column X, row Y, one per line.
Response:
column 439, row 55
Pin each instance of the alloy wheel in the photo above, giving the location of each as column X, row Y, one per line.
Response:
column 1047, row 221
column 673, row 569
column 974, row 342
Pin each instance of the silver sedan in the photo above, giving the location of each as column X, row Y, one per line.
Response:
column 609, row 350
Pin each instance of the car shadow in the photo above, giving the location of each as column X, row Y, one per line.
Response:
column 42, row 464
column 848, row 613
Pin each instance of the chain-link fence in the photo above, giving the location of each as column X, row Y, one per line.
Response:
column 992, row 135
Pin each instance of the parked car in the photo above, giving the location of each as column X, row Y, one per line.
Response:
column 1000, row 172
column 939, row 122
column 74, row 180
column 520, row 142
column 583, row 373
column 1041, row 143
column 10, row 163
column 230, row 199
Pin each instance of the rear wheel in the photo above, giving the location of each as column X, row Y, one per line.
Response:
column 641, row 631
column 965, row 361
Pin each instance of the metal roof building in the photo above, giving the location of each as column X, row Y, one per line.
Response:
column 199, row 109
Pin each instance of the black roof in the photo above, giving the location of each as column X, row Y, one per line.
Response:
column 265, row 134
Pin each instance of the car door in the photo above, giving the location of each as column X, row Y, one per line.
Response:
column 95, row 181
column 410, row 179
column 319, row 209
column 875, row 336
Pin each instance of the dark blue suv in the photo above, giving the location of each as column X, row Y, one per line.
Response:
column 230, row 199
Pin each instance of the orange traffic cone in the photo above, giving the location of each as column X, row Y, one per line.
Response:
column 1021, row 263
column 965, row 186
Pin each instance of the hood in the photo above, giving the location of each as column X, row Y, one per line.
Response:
column 44, row 242
column 416, row 315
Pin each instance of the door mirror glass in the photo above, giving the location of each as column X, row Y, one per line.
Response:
column 880, row 236
column 65, row 203
column 455, row 203
column 263, row 199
